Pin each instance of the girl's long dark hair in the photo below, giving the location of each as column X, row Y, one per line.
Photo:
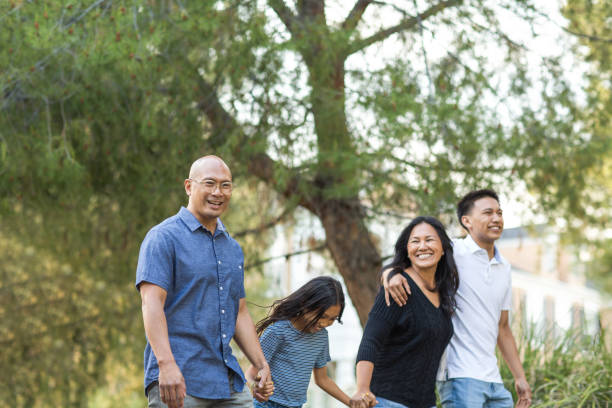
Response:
column 318, row 294
column 446, row 277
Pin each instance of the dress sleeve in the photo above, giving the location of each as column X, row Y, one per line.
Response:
column 381, row 320
column 156, row 260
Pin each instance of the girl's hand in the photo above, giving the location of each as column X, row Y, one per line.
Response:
column 264, row 392
column 363, row 399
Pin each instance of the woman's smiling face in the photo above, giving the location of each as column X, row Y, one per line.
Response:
column 424, row 247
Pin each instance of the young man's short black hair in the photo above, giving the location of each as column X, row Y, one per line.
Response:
column 466, row 204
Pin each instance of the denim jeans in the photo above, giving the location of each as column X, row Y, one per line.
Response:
column 472, row 393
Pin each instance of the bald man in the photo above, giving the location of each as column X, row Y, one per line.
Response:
column 191, row 280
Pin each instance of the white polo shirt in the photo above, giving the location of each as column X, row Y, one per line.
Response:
column 485, row 289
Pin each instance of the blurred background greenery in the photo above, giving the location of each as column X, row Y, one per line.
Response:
column 348, row 110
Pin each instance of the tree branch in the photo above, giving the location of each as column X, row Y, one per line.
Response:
column 260, row 164
column 286, row 256
column 354, row 16
column 284, row 13
column 587, row 36
column 266, row 225
column 75, row 19
column 404, row 25
column 312, row 9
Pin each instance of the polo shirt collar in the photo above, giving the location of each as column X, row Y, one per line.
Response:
column 473, row 247
column 193, row 224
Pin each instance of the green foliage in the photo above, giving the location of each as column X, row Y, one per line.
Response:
column 53, row 327
column 574, row 370
column 104, row 106
column 589, row 23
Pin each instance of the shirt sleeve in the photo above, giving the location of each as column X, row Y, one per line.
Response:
column 380, row 322
column 323, row 358
column 155, row 261
column 271, row 341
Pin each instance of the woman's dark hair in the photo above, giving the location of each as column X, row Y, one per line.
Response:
column 446, row 277
column 318, row 294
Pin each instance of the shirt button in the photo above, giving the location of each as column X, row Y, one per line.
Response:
column 225, row 360
column 224, row 336
column 222, row 311
column 220, row 287
column 219, row 262
column 239, row 266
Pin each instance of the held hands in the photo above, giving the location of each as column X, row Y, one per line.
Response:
column 172, row 390
column 363, row 399
column 523, row 391
column 397, row 287
column 262, row 391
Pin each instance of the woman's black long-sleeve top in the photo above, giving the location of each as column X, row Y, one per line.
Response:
column 405, row 344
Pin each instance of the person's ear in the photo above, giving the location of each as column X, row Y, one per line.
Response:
column 187, row 184
column 466, row 221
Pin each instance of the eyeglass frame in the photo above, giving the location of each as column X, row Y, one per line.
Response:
column 218, row 184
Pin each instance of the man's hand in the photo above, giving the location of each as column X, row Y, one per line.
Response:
column 262, row 393
column 363, row 399
column 172, row 388
column 397, row 287
column 523, row 391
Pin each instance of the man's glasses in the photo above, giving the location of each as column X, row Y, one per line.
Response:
column 211, row 185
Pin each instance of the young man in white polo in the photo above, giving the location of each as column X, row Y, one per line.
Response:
column 471, row 376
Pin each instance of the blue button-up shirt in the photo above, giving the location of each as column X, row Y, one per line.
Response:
column 203, row 276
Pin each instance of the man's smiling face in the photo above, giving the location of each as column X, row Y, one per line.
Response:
column 485, row 221
column 208, row 198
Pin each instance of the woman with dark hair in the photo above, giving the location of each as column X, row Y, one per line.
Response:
column 295, row 343
column 401, row 346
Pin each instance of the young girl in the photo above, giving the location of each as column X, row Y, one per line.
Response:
column 295, row 343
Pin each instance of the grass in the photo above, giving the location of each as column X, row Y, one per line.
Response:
column 572, row 370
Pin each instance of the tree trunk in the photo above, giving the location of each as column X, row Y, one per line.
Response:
column 352, row 250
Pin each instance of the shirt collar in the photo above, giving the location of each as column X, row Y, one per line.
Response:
column 193, row 224
column 473, row 247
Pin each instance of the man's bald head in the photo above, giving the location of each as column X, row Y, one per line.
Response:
column 198, row 168
column 209, row 188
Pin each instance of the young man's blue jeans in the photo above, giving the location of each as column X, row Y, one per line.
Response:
column 472, row 393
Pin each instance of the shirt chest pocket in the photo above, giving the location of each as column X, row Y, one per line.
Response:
column 231, row 276
column 203, row 274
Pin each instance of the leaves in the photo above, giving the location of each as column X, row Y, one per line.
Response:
column 105, row 105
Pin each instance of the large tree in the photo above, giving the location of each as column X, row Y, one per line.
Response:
column 589, row 24
column 348, row 110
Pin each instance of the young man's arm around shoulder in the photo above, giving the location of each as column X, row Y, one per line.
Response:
column 396, row 287
column 507, row 346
